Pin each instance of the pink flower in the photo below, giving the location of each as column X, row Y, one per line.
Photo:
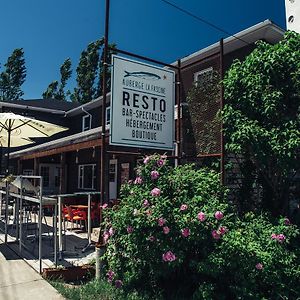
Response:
column 274, row 236
column 149, row 212
column 185, row 232
column 104, row 206
column 155, row 192
column 111, row 231
column 129, row 181
column 151, row 238
column 146, row 203
column 138, row 180
column 154, row 175
column 146, row 159
column 166, row 229
column 106, row 236
column 259, row 266
column 161, row 162
column 222, row 230
column 168, row 256
column 118, row 283
column 280, row 238
column 161, row 222
column 287, row 221
column 129, row 229
column 183, row 207
column 215, row 234
column 110, row 275
column 201, row 216
column 219, row 215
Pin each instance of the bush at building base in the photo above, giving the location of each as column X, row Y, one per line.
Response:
column 175, row 234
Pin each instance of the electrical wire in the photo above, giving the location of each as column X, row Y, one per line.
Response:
column 202, row 20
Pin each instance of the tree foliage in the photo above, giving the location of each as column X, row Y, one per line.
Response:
column 89, row 76
column 261, row 116
column 13, row 76
column 57, row 89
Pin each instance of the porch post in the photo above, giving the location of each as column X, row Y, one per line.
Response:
column 62, row 183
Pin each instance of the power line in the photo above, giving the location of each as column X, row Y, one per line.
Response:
column 203, row 20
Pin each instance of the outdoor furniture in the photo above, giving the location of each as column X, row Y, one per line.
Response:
column 75, row 215
column 37, row 200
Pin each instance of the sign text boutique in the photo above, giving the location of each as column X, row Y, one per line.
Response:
column 142, row 105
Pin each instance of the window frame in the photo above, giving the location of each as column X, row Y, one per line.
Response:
column 85, row 128
column 80, row 182
column 107, row 115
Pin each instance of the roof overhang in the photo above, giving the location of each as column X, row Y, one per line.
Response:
column 266, row 30
column 28, row 107
column 73, row 142
column 87, row 106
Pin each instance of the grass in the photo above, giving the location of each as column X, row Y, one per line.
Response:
column 96, row 289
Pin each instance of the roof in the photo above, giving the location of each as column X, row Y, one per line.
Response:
column 265, row 30
column 94, row 133
column 47, row 105
column 87, row 106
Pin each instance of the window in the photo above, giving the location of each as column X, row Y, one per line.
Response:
column 57, row 177
column 45, row 173
column 86, row 122
column 86, row 176
column 203, row 75
column 107, row 117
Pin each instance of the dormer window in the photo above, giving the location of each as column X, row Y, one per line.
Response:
column 86, row 122
column 107, row 118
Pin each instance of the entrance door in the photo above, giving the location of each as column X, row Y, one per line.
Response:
column 113, row 171
column 51, row 178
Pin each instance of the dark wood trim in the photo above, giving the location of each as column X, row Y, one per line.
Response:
column 69, row 148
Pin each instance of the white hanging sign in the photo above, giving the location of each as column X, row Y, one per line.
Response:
column 142, row 105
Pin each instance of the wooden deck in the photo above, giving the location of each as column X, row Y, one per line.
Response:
column 74, row 240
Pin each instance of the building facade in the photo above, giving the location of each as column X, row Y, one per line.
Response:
column 71, row 162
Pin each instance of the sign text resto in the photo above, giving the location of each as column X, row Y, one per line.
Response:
column 142, row 105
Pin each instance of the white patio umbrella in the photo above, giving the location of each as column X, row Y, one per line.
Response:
column 16, row 128
column 15, row 141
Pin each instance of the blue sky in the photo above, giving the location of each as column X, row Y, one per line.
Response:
column 52, row 30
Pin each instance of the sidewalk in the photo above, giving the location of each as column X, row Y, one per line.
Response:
column 19, row 281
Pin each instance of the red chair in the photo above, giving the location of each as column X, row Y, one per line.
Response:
column 75, row 215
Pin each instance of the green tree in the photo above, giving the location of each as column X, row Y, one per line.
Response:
column 89, row 75
column 90, row 72
column 261, row 117
column 51, row 91
column 57, row 89
column 12, row 78
column 87, row 72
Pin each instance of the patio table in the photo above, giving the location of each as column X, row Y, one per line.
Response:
column 60, row 202
column 89, row 195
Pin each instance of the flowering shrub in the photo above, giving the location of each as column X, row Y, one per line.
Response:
column 164, row 223
column 175, row 228
column 255, row 260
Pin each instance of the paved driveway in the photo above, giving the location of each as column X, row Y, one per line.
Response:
column 19, row 281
